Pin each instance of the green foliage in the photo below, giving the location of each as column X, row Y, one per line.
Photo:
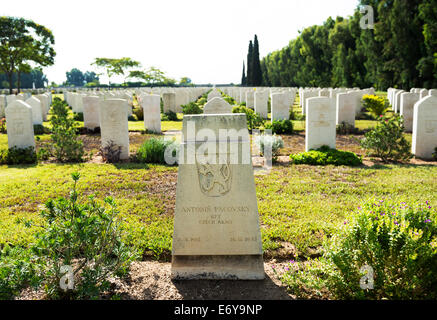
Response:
column 84, row 236
column 377, row 106
column 399, row 242
column 111, row 152
column 170, row 116
column 153, row 150
column 43, row 154
column 387, row 140
column 139, row 114
column 78, row 116
column 18, row 269
column 66, row 145
column 269, row 142
column 254, row 120
column 192, row 108
column 3, row 125
column 346, row 129
column 327, row 156
column 434, row 155
column 280, row 127
column 14, row 156
column 39, row 129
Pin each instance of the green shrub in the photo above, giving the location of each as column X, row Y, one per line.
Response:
column 192, row 108
column 272, row 142
column 398, row 241
column 66, row 145
column 85, row 237
column 138, row 112
column 387, row 140
column 43, row 154
column 280, row 127
column 39, row 129
column 327, row 156
column 18, row 269
column 254, row 120
column 78, row 116
column 132, row 117
column 346, row 128
column 202, row 101
column 170, row 116
column 14, row 156
column 153, row 150
column 3, row 125
column 375, row 105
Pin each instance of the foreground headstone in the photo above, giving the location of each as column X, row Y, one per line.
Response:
column 217, row 106
column 91, row 118
column 151, row 104
column 320, row 123
column 114, row 124
column 20, row 126
column 216, row 226
column 425, row 128
column 37, row 113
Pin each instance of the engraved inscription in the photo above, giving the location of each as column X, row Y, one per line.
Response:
column 430, row 126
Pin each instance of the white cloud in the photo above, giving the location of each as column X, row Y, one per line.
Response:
column 202, row 39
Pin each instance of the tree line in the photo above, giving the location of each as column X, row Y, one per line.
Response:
column 400, row 51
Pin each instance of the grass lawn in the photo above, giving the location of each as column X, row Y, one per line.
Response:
column 298, row 205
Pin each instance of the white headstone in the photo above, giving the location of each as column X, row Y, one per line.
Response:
column 37, row 114
column 320, row 123
column 425, row 128
column 19, row 125
column 217, row 106
column 169, row 100
column 407, row 102
column 345, row 109
column 214, row 94
column 250, row 96
column 151, row 104
column 91, row 118
column 261, row 103
column 114, row 124
column 280, row 106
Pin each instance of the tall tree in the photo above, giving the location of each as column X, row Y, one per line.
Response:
column 24, row 41
column 75, row 77
column 249, row 73
column 243, row 77
column 117, row 67
column 257, row 73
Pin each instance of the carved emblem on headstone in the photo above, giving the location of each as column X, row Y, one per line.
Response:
column 214, row 179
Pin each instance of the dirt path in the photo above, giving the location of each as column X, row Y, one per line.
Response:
column 150, row 280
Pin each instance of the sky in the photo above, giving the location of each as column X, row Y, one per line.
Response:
column 204, row 40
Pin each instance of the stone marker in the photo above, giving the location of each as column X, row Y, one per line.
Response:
column 214, row 94
column 169, row 100
column 216, row 225
column 250, row 98
column 151, row 104
column 217, row 106
column 114, row 124
column 37, row 113
column 433, row 92
column 320, row 123
column 280, row 106
column 91, row 118
column 2, row 105
column 20, row 126
column 345, row 108
column 408, row 100
column 425, row 128
column 261, row 103
column 423, row 93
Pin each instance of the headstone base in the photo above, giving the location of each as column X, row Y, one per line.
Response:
column 246, row 267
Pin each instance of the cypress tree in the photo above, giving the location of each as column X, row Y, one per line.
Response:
column 249, row 73
column 243, row 77
column 256, row 65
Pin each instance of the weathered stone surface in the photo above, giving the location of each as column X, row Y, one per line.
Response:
column 20, row 126
column 425, row 127
column 169, row 100
column 250, row 99
column 217, row 106
column 37, row 113
column 214, row 94
column 407, row 102
column 261, row 103
column 345, row 110
column 91, row 119
column 114, row 124
column 216, row 226
column 280, row 106
column 320, row 123
column 151, row 104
